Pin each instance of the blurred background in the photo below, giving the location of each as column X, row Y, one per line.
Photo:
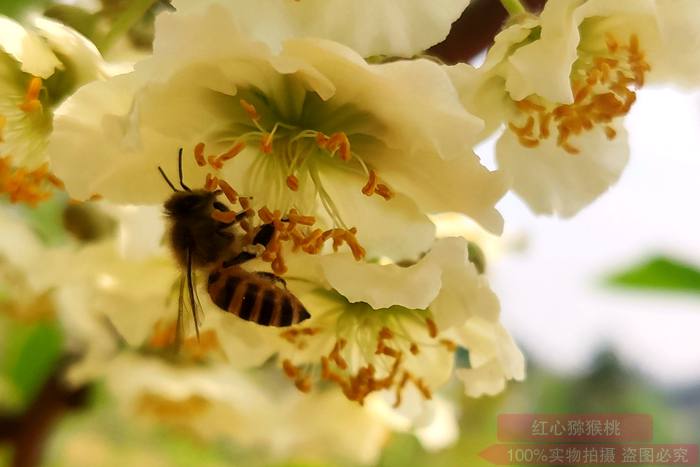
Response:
column 606, row 307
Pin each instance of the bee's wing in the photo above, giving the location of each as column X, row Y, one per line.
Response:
column 189, row 308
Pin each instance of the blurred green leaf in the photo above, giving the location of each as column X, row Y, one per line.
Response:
column 659, row 273
column 15, row 8
column 29, row 355
column 46, row 219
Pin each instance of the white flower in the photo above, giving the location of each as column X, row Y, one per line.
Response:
column 562, row 83
column 370, row 27
column 313, row 128
column 39, row 66
column 390, row 328
column 254, row 410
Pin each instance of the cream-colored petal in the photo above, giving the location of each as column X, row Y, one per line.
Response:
column 417, row 107
column 83, row 57
column 384, row 27
column 394, row 228
column 552, row 181
column 679, row 23
column 494, row 358
column 383, row 286
column 463, row 293
column 30, row 50
column 459, row 185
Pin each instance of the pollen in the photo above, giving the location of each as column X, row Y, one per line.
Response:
column 385, row 370
column 31, row 101
column 250, row 110
column 199, row 155
column 339, row 142
column 603, row 89
column 228, row 190
column 266, row 143
column 27, row 186
column 211, row 182
column 233, row 152
column 215, row 162
column 225, row 217
column 293, row 183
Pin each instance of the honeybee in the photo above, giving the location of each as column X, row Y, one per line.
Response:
column 202, row 243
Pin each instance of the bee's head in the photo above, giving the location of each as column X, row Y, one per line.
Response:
column 191, row 203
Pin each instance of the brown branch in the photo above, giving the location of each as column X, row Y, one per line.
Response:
column 28, row 432
column 474, row 31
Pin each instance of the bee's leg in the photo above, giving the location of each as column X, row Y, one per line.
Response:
column 240, row 258
column 272, row 277
column 239, row 217
column 264, row 235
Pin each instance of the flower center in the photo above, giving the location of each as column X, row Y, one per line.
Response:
column 27, row 186
column 292, row 227
column 294, row 148
column 363, row 350
column 602, row 85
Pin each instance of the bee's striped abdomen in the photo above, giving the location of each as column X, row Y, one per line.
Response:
column 255, row 298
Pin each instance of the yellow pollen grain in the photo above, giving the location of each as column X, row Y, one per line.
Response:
column 266, row 143
column 228, row 190
column 250, row 110
column 223, row 216
column 293, row 183
column 31, row 101
column 601, row 94
column 199, row 155
column 371, row 184
column 233, row 152
column 211, row 182
column 27, row 186
column 289, row 369
column 432, row 327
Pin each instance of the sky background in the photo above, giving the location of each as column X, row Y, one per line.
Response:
column 551, row 293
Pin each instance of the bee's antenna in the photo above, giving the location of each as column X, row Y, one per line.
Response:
column 167, row 180
column 179, row 170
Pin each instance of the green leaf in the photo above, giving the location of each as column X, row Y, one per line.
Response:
column 15, row 8
column 659, row 273
column 29, row 356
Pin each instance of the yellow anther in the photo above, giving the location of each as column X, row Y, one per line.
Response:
column 266, row 143
column 223, row 216
column 250, row 110
column 31, row 98
column 432, row 327
column 293, row 183
column 233, row 152
column 228, row 190
column 199, row 155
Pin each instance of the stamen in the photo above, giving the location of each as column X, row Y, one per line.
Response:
column 233, row 152
column 215, row 162
column 384, row 191
column 199, row 155
column 250, row 110
column 432, row 328
column 211, row 182
column 369, row 188
column 295, row 217
column 225, row 217
column 339, row 141
column 293, row 183
column 601, row 94
column 31, row 98
column 26, row 186
column 266, row 143
column 229, row 192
